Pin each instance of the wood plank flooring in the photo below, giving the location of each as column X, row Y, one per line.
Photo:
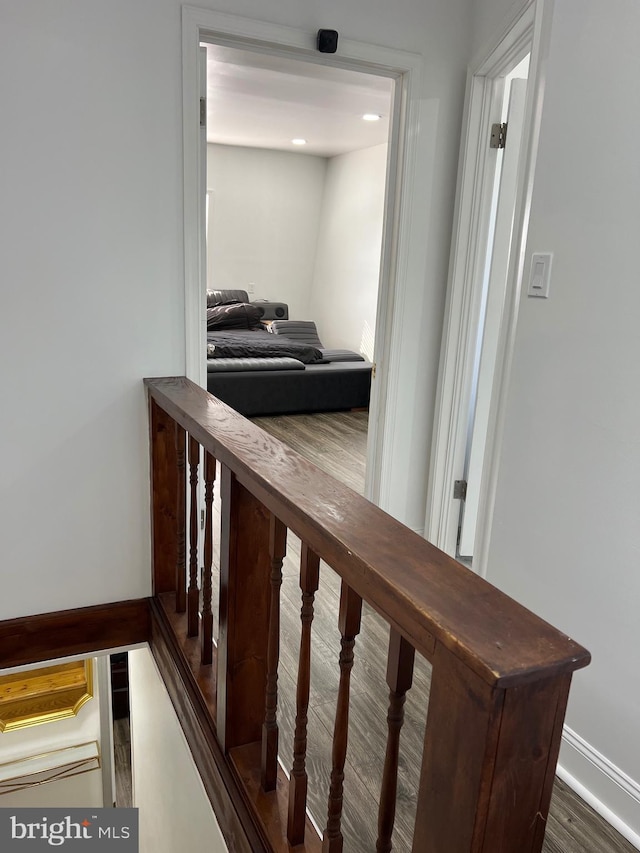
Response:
column 122, row 762
column 337, row 443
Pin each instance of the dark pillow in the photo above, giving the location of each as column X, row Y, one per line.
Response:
column 233, row 315
column 223, row 297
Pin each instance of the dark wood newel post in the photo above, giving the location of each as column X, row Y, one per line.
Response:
column 164, row 498
column 245, row 591
column 489, row 760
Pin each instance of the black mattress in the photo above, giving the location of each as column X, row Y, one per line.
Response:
column 259, row 344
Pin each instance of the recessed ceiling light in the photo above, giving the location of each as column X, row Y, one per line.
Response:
column 371, row 117
column 299, row 141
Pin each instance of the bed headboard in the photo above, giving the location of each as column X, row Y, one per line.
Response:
column 216, row 297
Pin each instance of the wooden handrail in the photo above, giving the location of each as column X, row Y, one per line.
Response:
column 425, row 594
column 501, row 674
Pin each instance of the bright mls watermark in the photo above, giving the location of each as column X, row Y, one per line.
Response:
column 69, row 829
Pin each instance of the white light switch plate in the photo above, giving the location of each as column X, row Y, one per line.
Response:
column 540, row 274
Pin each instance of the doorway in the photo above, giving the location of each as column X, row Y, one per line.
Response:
column 297, row 161
column 403, row 69
column 495, row 186
column 493, row 286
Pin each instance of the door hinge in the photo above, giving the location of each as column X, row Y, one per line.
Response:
column 460, row 490
column 373, row 371
column 203, row 112
column 498, row 135
column 201, row 519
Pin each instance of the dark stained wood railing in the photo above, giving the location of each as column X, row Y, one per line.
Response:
column 500, row 675
column 207, row 615
column 349, row 618
column 277, row 551
column 309, row 580
column 193, row 595
column 399, row 678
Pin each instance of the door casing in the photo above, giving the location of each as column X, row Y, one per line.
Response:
column 529, row 31
column 200, row 25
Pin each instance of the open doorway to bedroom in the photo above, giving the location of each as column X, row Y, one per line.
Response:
column 296, row 177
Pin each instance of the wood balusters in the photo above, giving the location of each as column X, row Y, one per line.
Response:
column 399, row 678
column 181, row 521
column 500, row 675
column 207, row 591
column 349, row 623
column 309, row 580
column 277, row 551
column 193, row 594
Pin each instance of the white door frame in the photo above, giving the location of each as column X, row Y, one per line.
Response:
column 498, row 251
column 530, row 30
column 406, row 68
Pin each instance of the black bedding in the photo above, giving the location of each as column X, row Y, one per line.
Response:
column 260, row 344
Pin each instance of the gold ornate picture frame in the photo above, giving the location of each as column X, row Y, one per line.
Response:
column 43, row 695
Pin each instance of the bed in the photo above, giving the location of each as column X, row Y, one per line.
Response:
column 264, row 367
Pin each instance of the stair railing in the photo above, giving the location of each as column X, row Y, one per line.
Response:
column 500, row 675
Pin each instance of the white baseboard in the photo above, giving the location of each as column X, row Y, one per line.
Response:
column 613, row 794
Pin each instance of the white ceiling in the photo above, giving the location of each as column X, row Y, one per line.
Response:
column 262, row 101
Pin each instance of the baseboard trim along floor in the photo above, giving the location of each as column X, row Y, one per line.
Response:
column 611, row 793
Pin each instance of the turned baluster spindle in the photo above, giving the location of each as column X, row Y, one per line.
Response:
column 399, row 678
column 181, row 565
column 164, row 493
column 309, row 579
column 206, row 655
column 277, row 551
column 193, row 594
column 349, row 624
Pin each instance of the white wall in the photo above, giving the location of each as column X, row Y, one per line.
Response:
column 565, row 538
column 345, row 288
column 264, row 214
column 491, row 19
column 92, row 269
column 173, row 816
column 92, row 294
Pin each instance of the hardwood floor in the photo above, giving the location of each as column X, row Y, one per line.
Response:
column 122, row 756
column 337, row 443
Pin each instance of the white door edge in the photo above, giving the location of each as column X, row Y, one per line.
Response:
column 497, row 283
column 194, row 303
column 506, row 343
column 203, row 24
column 529, row 31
